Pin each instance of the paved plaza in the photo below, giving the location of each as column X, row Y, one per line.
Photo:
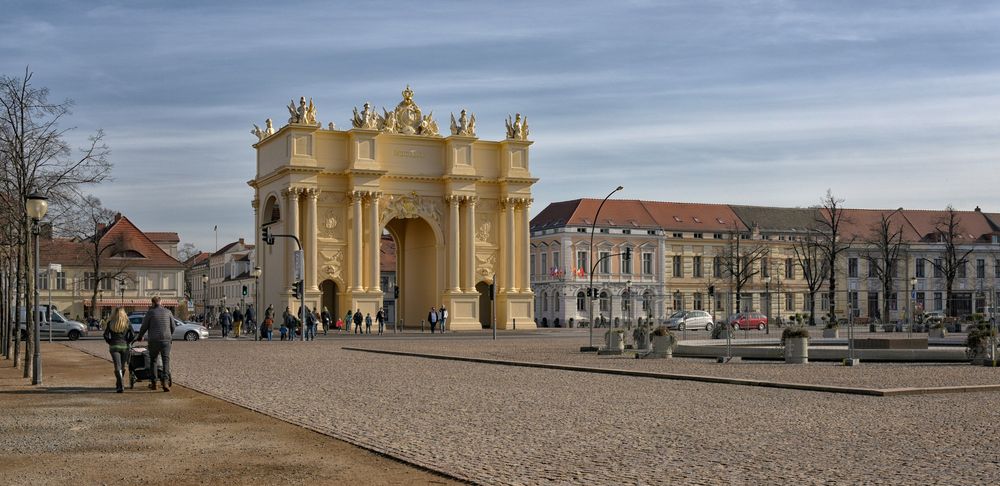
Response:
column 511, row 425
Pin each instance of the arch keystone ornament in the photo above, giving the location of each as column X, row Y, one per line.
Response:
column 457, row 208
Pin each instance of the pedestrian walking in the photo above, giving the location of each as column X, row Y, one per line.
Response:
column 442, row 317
column 118, row 334
column 357, row 322
column 380, row 317
column 225, row 321
column 368, row 323
column 159, row 322
column 347, row 320
column 432, row 318
column 250, row 319
column 310, row 325
column 237, row 322
column 325, row 318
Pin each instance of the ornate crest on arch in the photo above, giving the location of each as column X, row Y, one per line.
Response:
column 408, row 207
column 333, row 263
column 485, row 265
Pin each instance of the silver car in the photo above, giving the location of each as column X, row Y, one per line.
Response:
column 187, row 331
column 690, row 320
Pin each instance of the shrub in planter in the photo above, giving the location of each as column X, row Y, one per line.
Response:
column 662, row 331
column 796, row 343
column 831, row 325
column 794, row 332
column 977, row 343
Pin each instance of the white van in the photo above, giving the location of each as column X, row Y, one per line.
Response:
column 52, row 319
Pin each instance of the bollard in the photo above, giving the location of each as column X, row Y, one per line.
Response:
column 421, row 326
column 515, row 324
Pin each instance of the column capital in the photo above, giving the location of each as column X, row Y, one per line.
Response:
column 370, row 196
column 470, row 201
column 310, row 192
column 255, row 203
column 291, row 192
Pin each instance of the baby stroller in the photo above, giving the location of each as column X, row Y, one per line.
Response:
column 139, row 368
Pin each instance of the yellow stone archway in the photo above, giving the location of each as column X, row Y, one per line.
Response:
column 456, row 205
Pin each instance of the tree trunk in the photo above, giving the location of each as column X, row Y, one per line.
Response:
column 833, row 293
column 948, row 304
column 16, row 335
column 29, row 299
column 812, row 308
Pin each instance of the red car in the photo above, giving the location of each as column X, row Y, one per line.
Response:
column 748, row 320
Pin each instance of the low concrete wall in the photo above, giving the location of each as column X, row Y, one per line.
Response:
column 769, row 349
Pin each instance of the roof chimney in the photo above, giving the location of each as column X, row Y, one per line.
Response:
column 118, row 216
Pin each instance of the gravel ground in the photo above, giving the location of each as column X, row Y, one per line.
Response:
column 566, row 351
column 505, row 425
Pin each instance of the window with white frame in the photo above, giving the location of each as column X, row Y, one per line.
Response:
column 581, row 262
column 678, row 266
column 581, row 301
column 852, row 267
column 697, row 269
column 605, row 304
column 545, row 264
column 627, row 265
column 697, row 301
column 919, row 270
column 717, row 267
column 605, row 259
column 647, row 263
column 60, row 280
column 556, row 264
column 789, row 301
column 789, row 269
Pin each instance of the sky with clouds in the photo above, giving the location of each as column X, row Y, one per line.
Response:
column 887, row 103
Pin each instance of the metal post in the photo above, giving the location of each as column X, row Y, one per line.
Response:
column 593, row 227
column 36, row 379
column 48, row 275
column 493, row 303
column 256, row 305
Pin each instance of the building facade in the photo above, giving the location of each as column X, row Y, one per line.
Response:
column 455, row 206
column 133, row 267
column 682, row 252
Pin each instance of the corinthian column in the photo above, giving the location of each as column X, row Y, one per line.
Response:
column 453, row 237
column 375, row 242
column 356, row 242
column 469, row 244
column 511, row 250
column 291, row 228
column 525, row 238
column 311, row 251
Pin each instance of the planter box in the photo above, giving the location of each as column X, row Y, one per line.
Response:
column 831, row 333
column 616, row 342
column 797, row 350
column 663, row 347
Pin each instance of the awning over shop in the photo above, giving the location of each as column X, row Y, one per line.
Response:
column 130, row 302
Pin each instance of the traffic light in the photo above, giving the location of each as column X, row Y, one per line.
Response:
column 395, row 292
column 245, row 292
column 711, row 290
column 297, row 289
column 628, row 254
column 265, row 235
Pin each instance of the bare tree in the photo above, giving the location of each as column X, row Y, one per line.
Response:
column 829, row 220
column 882, row 250
column 186, row 251
column 88, row 223
column 739, row 259
column 809, row 256
column 35, row 157
column 948, row 229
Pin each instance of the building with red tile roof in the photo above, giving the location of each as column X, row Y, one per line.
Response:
column 132, row 268
column 677, row 248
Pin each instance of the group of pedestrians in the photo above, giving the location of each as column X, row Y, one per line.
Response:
column 358, row 320
column 232, row 323
column 159, row 324
column 437, row 317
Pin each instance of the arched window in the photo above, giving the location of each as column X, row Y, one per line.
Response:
column 581, row 301
column 545, row 302
column 626, row 301
column 605, row 302
column 556, row 298
column 647, row 303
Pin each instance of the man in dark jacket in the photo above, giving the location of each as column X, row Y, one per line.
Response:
column 358, row 319
column 159, row 322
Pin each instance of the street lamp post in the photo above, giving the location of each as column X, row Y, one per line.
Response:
column 256, row 300
column 590, row 289
column 767, row 293
column 204, row 290
column 913, row 308
column 36, row 206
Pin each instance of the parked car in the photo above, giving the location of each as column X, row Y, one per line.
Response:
column 187, row 331
column 933, row 317
column 690, row 320
column 60, row 325
column 748, row 320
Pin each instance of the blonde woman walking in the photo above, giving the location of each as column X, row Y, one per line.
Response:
column 118, row 334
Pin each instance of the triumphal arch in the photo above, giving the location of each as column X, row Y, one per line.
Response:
column 455, row 206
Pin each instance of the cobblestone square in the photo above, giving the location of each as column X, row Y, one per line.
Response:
column 507, row 425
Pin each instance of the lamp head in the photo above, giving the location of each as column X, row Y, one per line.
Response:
column 256, row 272
column 204, row 278
column 36, row 205
column 619, row 188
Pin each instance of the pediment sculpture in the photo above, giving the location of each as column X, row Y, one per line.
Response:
column 303, row 114
column 465, row 126
column 405, row 119
column 409, row 207
column 266, row 132
column 517, row 129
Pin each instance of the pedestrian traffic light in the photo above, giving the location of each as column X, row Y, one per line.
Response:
column 297, row 289
column 266, row 236
column 628, row 254
column 245, row 291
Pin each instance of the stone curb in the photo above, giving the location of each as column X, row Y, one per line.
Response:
column 355, row 441
column 874, row 392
